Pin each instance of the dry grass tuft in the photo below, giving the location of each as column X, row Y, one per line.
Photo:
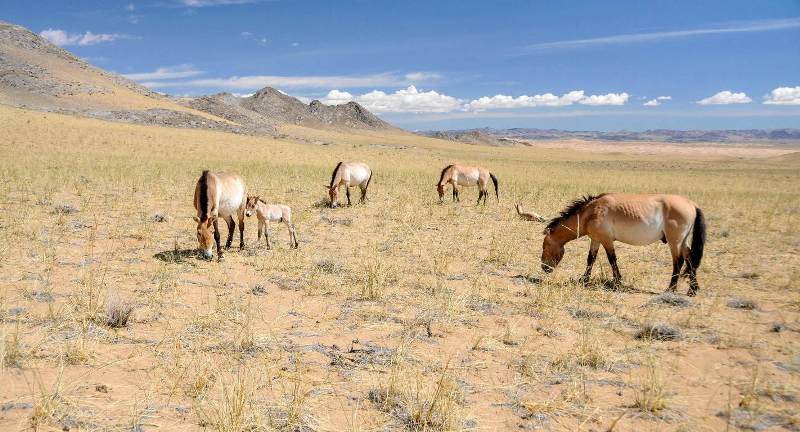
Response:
column 118, row 311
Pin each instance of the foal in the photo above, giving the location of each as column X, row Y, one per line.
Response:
column 460, row 175
column 267, row 213
column 349, row 174
column 635, row 219
column 218, row 195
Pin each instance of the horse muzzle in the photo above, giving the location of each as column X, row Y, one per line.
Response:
column 248, row 213
column 547, row 268
column 208, row 254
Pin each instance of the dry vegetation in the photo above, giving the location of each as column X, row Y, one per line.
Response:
column 398, row 314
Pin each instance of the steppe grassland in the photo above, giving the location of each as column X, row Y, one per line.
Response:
column 400, row 313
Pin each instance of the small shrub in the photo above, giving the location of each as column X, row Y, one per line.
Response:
column 670, row 299
column 118, row 311
column 651, row 395
column 662, row 332
column 739, row 303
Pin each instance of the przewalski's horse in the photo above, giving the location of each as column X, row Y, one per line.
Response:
column 460, row 175
column 349, row 174
column 635, row 219
column 267, row 213
column 218, row 195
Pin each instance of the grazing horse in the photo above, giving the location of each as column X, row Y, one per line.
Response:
column 349, row 174
column 460, row 175
column 218, row 195
column 267, row 213
column 635, row 219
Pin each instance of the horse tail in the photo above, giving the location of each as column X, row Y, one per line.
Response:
column 698, row 239
column 369, row 179
column 335, row 170
column 441, row 176
column 496, row 190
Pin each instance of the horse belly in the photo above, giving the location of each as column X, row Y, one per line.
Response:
column 640, row 232
column 231, row 201
column 468, row 179
column 358, row 175
column 274, row 214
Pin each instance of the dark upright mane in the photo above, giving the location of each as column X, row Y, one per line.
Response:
column 571, row 209
column 335, row 170
column 202, row 184
column 441, row 176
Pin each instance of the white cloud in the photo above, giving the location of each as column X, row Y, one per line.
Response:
column 336, row 97
column 725, row 98
column 405, row 100
column 657, row 101
column 130, row 7
column 423, row 76
column 606, row 99
column 255, row 82
column 783, row 96
column 62, row 38
column 741, row 27
column 168, row 72
column 545, row 100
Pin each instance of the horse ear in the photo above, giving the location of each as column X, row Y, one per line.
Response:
column 326, row 186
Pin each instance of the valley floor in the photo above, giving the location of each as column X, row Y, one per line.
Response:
column 400, row 314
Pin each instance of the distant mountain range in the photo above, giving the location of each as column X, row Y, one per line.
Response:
column 36, row 74
column 499, row 137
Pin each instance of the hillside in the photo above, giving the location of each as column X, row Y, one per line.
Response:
column 36, row 74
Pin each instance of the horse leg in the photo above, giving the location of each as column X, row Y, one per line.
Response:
column 593, row 248
column 260, row 230
column 231, row 228
column 347, row 189
column 612, row 259
column 216, row 238
column 363, row 193
column 266, row 234
column 241, row 229
column 692, row 273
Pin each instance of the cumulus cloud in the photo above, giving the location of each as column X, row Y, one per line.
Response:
column 657, row 101
column 336, row 97
column 63, row 38
column 404, row 100
column 783, row 96
column 167, row 72
column 545, row 100
column 725, row 98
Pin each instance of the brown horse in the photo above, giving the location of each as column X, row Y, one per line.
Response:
column 349, row 174
column 633, row 219
column 218, row 195
column 460, row 175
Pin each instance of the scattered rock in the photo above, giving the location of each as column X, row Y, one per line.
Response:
column 662, row 332
column 101, row 388
column 778, row 327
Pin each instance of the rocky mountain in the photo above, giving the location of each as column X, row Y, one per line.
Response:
column 520, row 135
column 36, row 74
column 268, row 108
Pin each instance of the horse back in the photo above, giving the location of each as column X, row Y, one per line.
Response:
column 228, row 193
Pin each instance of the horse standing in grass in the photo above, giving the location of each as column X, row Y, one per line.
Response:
column 267, row 213
column 218, row 195
column 349, row 174
column 635, row 219
column 460, row 175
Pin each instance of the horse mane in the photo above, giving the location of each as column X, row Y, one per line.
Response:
column 571, row 209
column 202, row 184
column 335, row 170
column 441, row 176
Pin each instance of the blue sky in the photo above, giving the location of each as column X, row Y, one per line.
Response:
column 576, row 65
